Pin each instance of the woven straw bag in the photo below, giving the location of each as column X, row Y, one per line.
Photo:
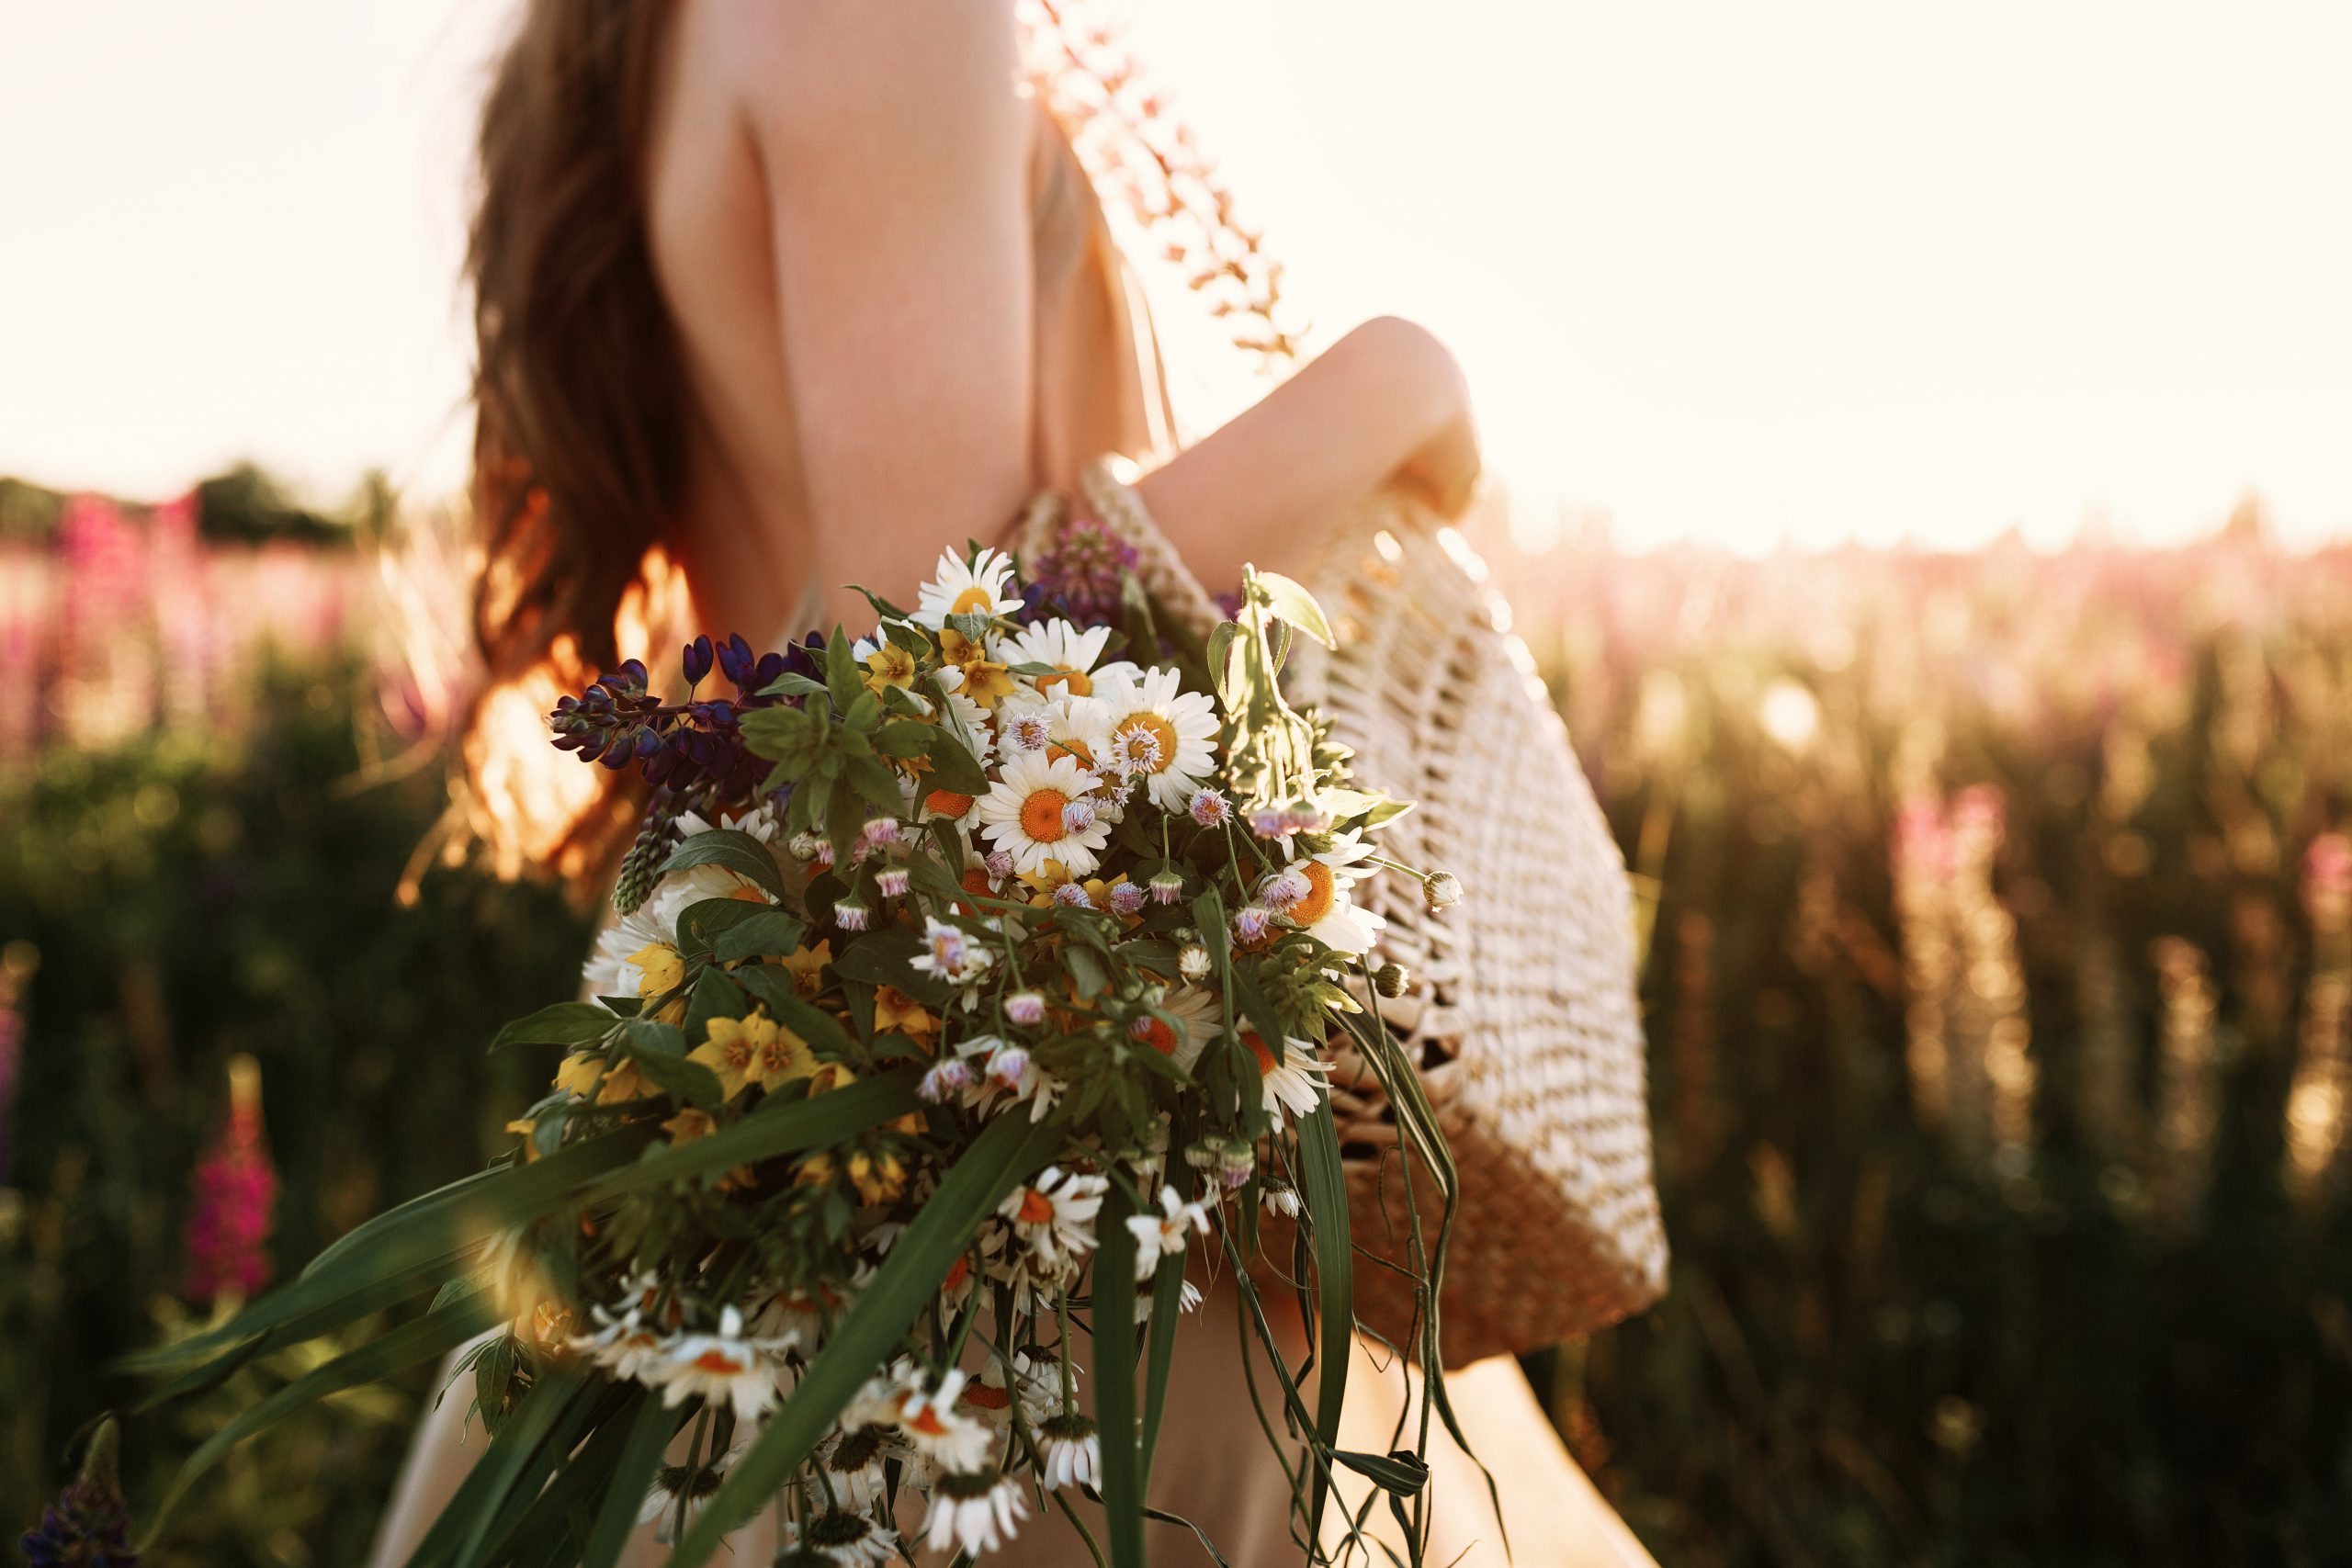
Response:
column 1522, row 1013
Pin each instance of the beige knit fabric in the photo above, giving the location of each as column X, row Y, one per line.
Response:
column 1522, row 1013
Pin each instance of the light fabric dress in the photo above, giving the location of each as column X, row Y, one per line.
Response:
column 1100, row 389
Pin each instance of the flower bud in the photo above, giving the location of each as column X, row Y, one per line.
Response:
column 891, row 883
column 851, row 915
column 1072, row 896
column 880, row 832
column 1009, row 1064
column 1207, row 807
column 1126, row 899
column 1078, row 815
column 1025, row 1008
column 1193, row 961
column 999, row 863
column 1391, row 979
column 697, row 660
column 1251, row 924
column 1442, row 889
column 1167, row 886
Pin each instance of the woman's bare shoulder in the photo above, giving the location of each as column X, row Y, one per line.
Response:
column 822, row 68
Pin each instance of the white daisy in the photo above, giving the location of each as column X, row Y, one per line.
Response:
column 849, row 1537
column 853, row 1462
column 1292, row 1081
column 1199, row 1018
column 1188, row 1297
column 726, row 1365
column 1037, row 1383
column 1028, row 814
column 1070, row 651
column 1324, row 909
column 926, row 1414
column 1159, row 734
column 1165, row 1232
column 1054, row 1215
column 1008, row 1076
column 1072, row 1450
column 674, row 1485
column 980, row 587
column 973, row 1512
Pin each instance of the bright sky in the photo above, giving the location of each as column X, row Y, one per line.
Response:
column 1816, row 270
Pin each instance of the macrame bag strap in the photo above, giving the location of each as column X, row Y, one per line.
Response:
column 1106, row 486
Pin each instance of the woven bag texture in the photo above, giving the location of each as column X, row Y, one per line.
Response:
column 1522, row 1016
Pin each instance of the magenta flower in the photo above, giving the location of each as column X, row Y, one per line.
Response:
column 235, row 1194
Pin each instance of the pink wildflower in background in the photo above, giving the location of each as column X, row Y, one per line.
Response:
column 234, row 1193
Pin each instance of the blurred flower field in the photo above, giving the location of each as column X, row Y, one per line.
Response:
column 1999, row 981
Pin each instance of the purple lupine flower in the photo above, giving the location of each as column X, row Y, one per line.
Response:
column 235, row 1190
column 89, row 1525
column 1085, row 570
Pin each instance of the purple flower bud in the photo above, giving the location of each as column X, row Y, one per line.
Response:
column 1208, row 808
column 1025, row 1008
column 999, row 863
column 850, row 915
column 1071, row 896
column 1284, row 888
column 945, row 1080
column 1251, row 922
column 891, row 883
column 1009, row 1066
column 1167, row 886
column 697, row 660
column 880, row 832
column 1126, row 899
column 1270, row 823
column 1078, row 815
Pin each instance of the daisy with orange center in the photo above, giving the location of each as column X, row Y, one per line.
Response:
column 1054, row 1215
column 1291, row 1079
column 983, row 586
column 1071, row 653
column 1028, row 813
column 1159, row 735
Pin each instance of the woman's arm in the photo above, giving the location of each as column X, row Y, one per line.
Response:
column 1386, row 402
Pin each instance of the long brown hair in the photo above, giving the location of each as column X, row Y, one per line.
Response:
column 579, row 445
column 579, row 439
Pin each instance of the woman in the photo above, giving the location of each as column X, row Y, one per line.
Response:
column 786, row 298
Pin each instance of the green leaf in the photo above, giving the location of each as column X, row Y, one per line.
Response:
column 1009, row 1149
column 732, row 850
column 435, row 1334
column 466, row 1519
column 772, row 984
column 659, row 1052
column 778, row 1127
column 1115, row 1376
column 1086, row 970
column 403, row 1251
column 1324, row 1186
column 885, row 958
column 844, row 677
column 714, row 996
column 905, row 737
column 1401, row 1471
column 953, row 766
column 705, row 920
column 765, row 933
column 1220, row 660
column 883, row 609
column 650, row 1433
column 878, row 785
column 1293, row 604
column 565, row 1023
column 791, row 684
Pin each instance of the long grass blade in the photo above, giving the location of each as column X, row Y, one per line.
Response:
column 1115, row 1376
column 1326, row 1190
column 640, row 1461
column 764, row 1134
column 1009, row 1149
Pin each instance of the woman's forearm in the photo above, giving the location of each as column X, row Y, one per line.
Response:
column 1385, row 403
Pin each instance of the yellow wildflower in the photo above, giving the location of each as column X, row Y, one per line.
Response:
column 753, row 1050
column 878, row 1178
column 579, row 1074
column 658, row 969
column 807, row 966
column 622, row 1084
column 830, row 1075
column 689, row 1125
column 986, row 681
column 893, row 1009
column 814, row 1171
column 524, row 1127
column 889, row 665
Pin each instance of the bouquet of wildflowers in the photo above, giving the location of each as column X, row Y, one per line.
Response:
column 966, row 1009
